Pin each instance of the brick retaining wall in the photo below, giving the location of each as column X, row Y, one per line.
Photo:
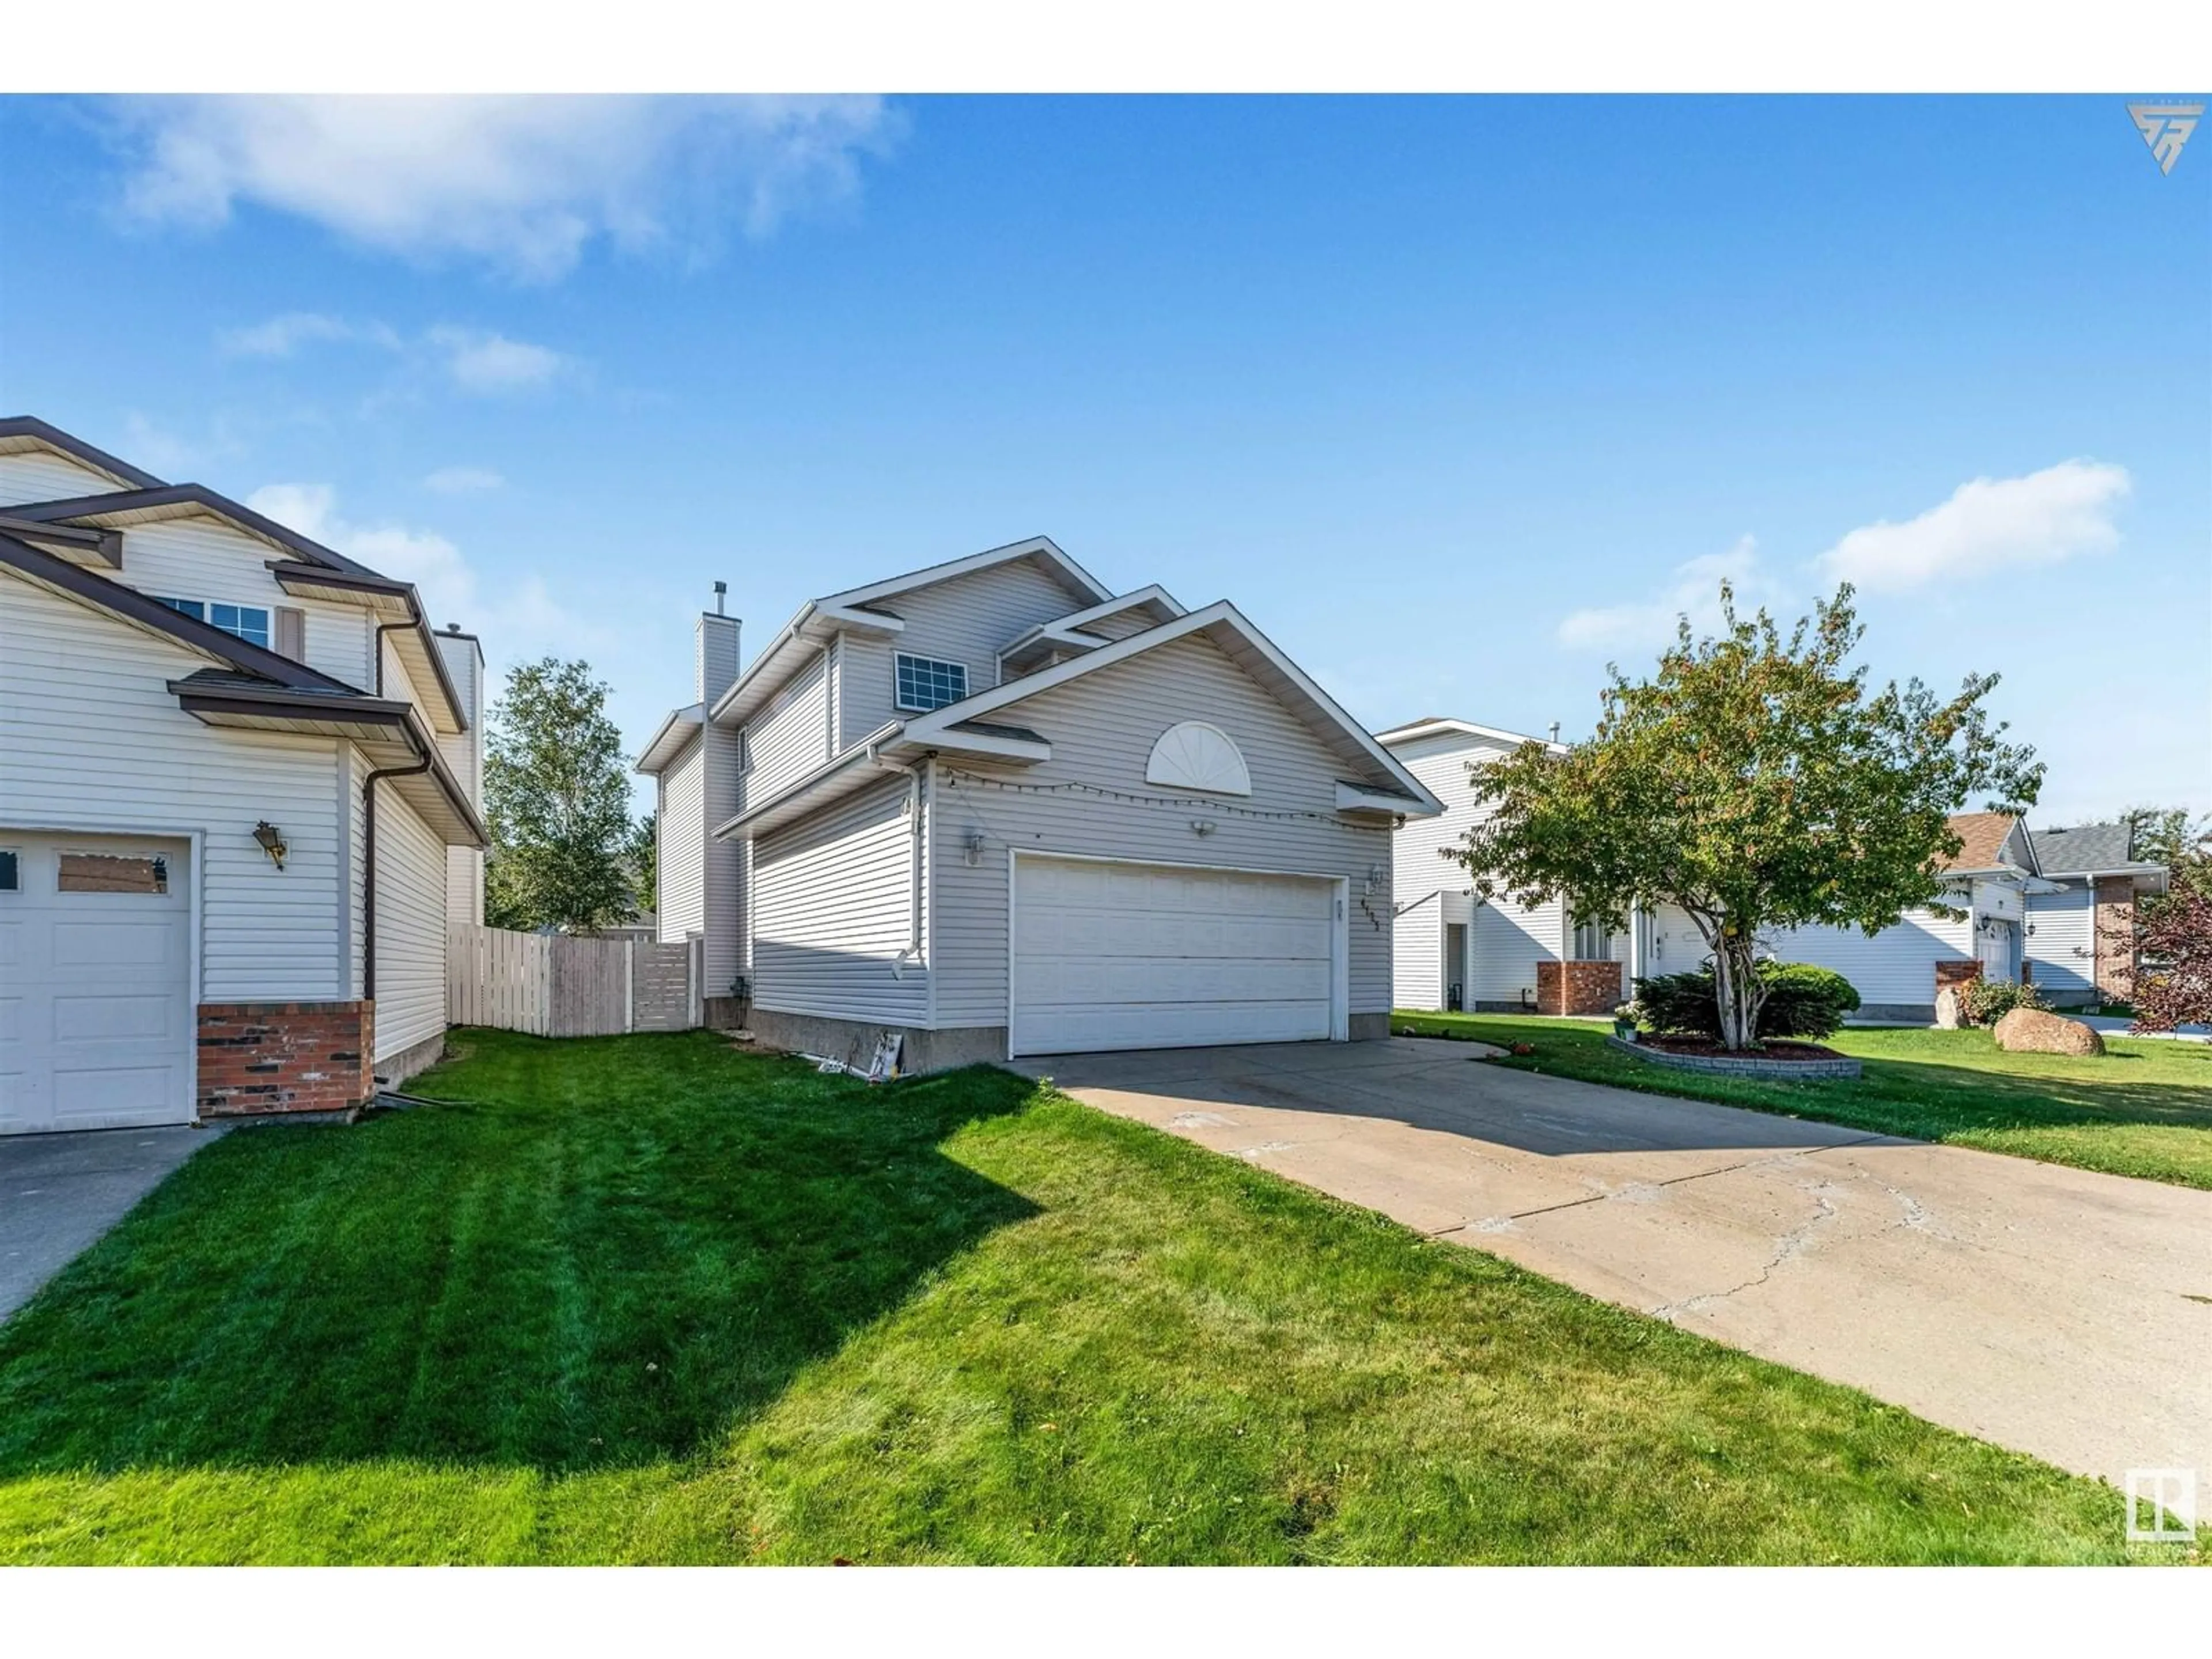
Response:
column 1784, row 1071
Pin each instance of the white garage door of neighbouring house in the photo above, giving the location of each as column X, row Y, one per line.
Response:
column 95, row 982
column 1142, row 955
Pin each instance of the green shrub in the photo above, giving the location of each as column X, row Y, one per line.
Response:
column 1802, row 1001
column 1985, row 1001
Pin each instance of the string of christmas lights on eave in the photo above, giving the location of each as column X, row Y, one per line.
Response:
column 1181, row 804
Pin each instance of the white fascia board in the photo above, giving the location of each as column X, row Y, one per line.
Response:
column 818, row 622
column 1035, row 547
column 1060, row 627
column 826, row 782
column 1220, row 613
column 671, row 739
column 1420, row 729
column 951, row 742
column 1351, row 798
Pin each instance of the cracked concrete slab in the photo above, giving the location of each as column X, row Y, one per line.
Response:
column 2060, row 1313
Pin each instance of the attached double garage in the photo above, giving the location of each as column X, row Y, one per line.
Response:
column 96, row 1029
column 1113, row 955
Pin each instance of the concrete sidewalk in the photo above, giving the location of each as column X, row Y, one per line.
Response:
column 59, row 1193
column 2061, row 1313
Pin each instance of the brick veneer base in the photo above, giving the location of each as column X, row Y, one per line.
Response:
column 265, row 1059
column 1577, row 987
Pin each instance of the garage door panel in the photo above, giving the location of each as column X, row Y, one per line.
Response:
column 1113, row 956
column 95, row 1013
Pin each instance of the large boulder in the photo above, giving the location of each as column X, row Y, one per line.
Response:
column 2034, row 1031
column 1948, row 1017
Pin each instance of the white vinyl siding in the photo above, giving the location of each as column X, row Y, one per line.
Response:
column 411, row 926
column 832, row 910
column 1102, row 728
column 682, row 812
column 90, row 737
column 40, row 475
column 202, row 558
column 1417, row 974
column 967, row 620
column 463, row 752
column 1896, row 967
column 1506, row 940
column 792, row 737
column 1120, row 625
column 722, row 863
column 2061, row 943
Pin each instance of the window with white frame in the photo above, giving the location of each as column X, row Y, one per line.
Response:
column 249, row 622
column 925, row 683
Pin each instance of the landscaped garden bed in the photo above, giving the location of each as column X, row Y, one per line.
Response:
column 1799, row 1062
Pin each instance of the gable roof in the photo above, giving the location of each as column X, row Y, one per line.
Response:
column 19, row 433
column 855, row 609
column 1983, row 836
column 1252, row 651
column 1441, row 726
column 308, row 565
column 1041, row 549
column 2089, row 849
column 129, row 605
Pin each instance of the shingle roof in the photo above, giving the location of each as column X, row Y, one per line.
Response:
column 1983, row 836
column 2084, row 849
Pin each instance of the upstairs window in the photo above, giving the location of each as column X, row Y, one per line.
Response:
column 249, row 622
column 925, row 683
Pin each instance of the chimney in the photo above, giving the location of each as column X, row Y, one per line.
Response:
column 1555, row 730
column 716, row 658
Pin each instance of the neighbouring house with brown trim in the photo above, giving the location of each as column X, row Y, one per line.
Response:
column 2080, row 944
column 240, row 783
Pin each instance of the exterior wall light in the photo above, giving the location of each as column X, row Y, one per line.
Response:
column 271, row 840
column 972, row 847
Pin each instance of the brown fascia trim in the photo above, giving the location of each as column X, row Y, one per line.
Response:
column 30, row 426
column 370, row 711
column 326, row 565
column 129, row 603
column 367, row 581
column 106, row 544
column 137, row 500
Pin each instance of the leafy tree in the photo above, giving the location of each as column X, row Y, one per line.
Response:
column 558, row 800
column 2173, row 932
column 2168, row 834
column 1756, row 783
column 645, row 861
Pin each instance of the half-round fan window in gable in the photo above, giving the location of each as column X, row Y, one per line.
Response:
column 1196, row 756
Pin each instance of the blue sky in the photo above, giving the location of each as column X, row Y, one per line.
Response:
column 1457, row 398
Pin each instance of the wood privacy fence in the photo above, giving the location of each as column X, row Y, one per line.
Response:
column 550, row 985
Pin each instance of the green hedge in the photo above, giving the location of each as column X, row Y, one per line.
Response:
column 1802, row 1001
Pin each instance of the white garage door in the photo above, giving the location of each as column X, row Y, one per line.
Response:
column 95, row 982
column 1137, row 956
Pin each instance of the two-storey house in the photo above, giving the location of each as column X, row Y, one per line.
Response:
column 993, row 808
column 239, row 778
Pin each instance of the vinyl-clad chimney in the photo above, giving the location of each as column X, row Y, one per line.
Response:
column 717, row 654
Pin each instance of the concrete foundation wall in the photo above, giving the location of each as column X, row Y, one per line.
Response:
column 395, row 1069
column 854, row 1041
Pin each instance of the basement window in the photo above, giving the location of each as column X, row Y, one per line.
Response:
column 925, row 683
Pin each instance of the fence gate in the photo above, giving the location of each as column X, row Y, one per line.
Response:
column 550, row 985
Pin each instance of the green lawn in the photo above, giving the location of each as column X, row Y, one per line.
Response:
column 648, row 1298
column 2143, row 1109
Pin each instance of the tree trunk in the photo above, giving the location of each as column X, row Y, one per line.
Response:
column 1737, row 990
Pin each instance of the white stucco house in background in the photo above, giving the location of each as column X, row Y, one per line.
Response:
column 993, row 807
column 239, row 785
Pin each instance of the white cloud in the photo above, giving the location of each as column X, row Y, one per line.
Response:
column 1695, row 591
column 523, row 184
column 1987, row 525
column 463, row 480
column 515, row 619
column 487, row 363
column 280, row 337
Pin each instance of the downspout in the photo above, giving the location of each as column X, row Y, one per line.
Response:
column 913, row 951
column 376, row 649
column 368, row 867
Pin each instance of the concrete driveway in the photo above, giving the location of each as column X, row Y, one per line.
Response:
column 2060, row 1313
column 59, row 1193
